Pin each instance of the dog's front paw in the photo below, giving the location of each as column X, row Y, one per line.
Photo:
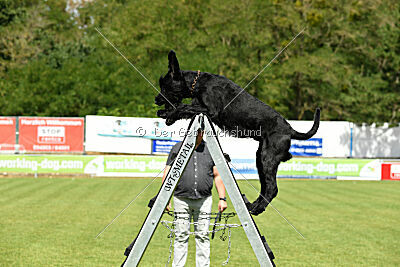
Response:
column 169, row 121
column 162, row 113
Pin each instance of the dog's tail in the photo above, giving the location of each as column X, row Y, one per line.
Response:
column 304, row 136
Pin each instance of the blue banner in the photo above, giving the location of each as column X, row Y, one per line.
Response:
column 310, row 147
column 244, row 166
column 162, row 146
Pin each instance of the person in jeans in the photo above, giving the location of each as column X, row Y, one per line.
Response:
column 193, row 197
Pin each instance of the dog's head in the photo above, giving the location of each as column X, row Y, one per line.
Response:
column 173, row 86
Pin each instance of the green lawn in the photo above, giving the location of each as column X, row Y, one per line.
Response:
column 53, row 222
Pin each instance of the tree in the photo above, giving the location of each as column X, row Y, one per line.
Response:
column 347, row 61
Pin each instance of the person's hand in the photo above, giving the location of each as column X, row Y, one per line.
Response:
column 169, row 207
column 222, row 205
column 151, row 202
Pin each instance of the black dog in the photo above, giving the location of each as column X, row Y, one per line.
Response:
column 212, row 95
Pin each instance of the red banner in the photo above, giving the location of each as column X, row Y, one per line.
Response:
column 39, row 134
column 391, row 171
column 7, row 133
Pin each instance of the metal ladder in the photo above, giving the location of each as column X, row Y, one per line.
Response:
column 258, row 243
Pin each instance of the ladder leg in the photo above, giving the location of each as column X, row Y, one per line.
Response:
column 236, row 197
column 171, row 180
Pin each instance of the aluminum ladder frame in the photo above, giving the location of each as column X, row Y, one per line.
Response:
column 200, row 121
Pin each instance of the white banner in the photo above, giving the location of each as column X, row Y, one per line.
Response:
column 334, row 139
column 373, row 142
column 116, row 135
column 129, row 135
column 335, row 136
column 135, row 135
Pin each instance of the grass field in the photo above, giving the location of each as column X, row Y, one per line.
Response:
column 53, row 222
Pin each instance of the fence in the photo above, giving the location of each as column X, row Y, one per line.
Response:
column 346, row 142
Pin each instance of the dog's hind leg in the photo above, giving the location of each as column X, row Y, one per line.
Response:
column 261, row 176
column 269, row 188
column 273, row 151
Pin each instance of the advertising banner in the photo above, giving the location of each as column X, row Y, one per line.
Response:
column 44, row 163
column 151, row 166
column 130, row 166
column 114, row 166
column 41, row 134
column 336, row 137
column 391, row 171
column 341, row 169
column 358, row 169
column 244, row 169
column 7, row 133
column 122, row 134
column 310, row 148
column 130, row 135
column 163, row 146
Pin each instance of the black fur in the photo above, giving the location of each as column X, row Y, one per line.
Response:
column 210, row 96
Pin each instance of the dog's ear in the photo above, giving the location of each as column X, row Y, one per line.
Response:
column 160, row 82
column 173, row 65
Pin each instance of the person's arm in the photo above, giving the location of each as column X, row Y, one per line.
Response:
column 167, row 167
column 166, row 170
column 222, row 205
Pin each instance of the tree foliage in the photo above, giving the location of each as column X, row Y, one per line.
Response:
column 347, row 61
